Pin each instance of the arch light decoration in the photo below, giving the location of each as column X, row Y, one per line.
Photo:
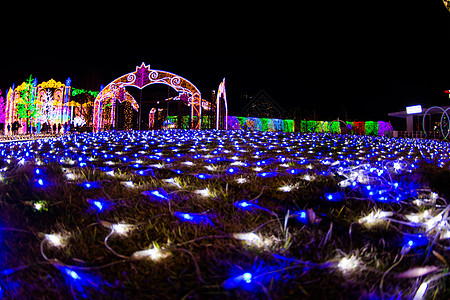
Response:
column 142, row 77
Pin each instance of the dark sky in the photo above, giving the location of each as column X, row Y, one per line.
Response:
column 372, row 57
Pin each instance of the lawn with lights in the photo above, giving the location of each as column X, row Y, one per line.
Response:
column 186, row 214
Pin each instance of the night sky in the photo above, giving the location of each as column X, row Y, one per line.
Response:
column 369, row 57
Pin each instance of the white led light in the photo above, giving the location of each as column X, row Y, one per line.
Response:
column 349, row 264
column 57, row 240
column 204, row 193
column 121, row 229
column 154, row 254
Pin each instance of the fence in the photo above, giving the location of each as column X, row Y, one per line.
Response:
column 434, row 135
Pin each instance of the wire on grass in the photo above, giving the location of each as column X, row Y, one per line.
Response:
column 112, row 250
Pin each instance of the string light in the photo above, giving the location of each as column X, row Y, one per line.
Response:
column 375, row 218
column 57, row 239
column 154, row 253
column 371, row 175
column 193, row 218
column 157, row 194
column 118, row 228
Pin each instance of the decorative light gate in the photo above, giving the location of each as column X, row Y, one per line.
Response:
column 142, row 77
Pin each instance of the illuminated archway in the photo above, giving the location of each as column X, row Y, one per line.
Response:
column 142, row 77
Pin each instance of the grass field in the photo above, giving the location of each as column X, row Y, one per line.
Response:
column 212, row 215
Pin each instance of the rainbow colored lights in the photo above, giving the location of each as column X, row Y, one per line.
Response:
column 243, row 211
column 375, row 128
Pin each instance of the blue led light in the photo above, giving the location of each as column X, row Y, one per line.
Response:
column 146, row 172
column 99, row 205
column 413, row 241
column 240, row 281
column 267, row 174
column 71, row 273
column 302, row 216
column 81, row 283
column 232, row 170
column 334, row 196
column 159, row 194
column 244, row 205
column 247, row 277
column 194, row 218
column 204, row 176
column 90, row 185
column 294, row 171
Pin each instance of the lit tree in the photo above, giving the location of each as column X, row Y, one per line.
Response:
column 26, row 107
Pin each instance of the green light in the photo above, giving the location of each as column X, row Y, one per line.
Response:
column 76, row 92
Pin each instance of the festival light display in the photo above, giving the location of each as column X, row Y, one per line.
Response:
column 195, row 180
column 36, row 104
column 140, row 78
column 52, row 99
column 2, row 108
